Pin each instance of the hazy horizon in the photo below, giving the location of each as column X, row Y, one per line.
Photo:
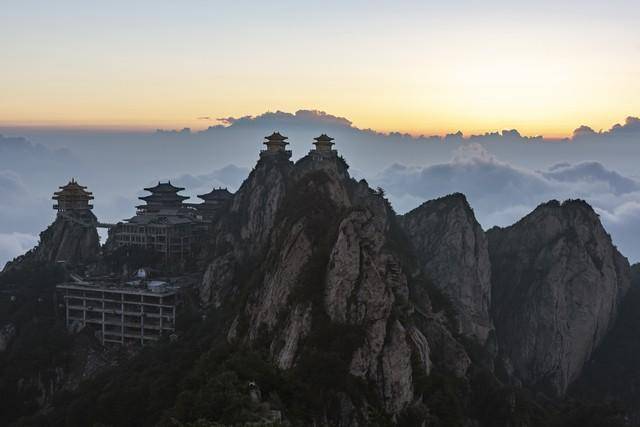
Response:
column 26, row 129
column 504, row 174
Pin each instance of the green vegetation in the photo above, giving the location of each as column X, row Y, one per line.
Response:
column 40, row 344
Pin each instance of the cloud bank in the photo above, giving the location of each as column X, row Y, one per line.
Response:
column 501, row 193
column 504, row 173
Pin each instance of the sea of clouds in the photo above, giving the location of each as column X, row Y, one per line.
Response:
column 503, row 174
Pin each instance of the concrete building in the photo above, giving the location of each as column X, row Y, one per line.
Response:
column 135, row 313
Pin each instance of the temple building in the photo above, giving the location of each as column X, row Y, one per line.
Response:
column 276, row 146
column 324, row 145
column 323, row 148
column 164, row 223
column 164, row 197
column 213, row 201
column 72, row 197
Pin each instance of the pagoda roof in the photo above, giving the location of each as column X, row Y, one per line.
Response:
column 324, row 138
column 217, row 194
column 164, row 187
column 162, row 198
column 276, row 137
column 73, row 189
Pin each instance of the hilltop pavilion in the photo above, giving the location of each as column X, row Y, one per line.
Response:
column 72, row 197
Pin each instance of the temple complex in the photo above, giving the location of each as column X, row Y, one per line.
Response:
column 72, row 197
column 164, row 223
column 276, row 146
column 213, row 201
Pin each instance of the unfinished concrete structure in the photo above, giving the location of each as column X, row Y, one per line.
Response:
column 134, row 313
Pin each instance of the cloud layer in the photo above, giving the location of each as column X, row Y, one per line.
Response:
column 501, row 193
column 519, row 173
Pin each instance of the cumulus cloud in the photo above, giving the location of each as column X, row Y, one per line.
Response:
column 593, row 173
column 629, row 129
column 501, row 193
column 631, row 126
column 281, row 118
column 583, row 131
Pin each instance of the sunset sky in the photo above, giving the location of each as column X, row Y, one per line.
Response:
column 543, row 67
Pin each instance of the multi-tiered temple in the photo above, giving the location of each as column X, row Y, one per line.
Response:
column 72, row 197
column 323, row 147
column 213, row 202
column 164, row 223
column 276, row 146
column 164, row 198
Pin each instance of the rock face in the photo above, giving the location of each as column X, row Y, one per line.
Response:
column 72, row 238
column 319, row 245
column 242, row 234
column 310, row 265
column 7, row 333
column 452, row 251
column 557, row 284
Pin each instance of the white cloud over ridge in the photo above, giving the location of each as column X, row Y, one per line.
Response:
column 504, row 174
column 501, row 193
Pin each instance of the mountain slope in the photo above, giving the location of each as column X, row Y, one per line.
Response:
column 452, row 251
column 329, row 266
column 557, row 285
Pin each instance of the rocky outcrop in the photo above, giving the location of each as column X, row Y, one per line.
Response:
column 7, row 333
column 557, row 284
column 452, row 251
column 72, row 238
column 309, row 263
column 326, row 265
column 242, row 234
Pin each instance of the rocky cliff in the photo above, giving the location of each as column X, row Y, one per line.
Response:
column 452, row 252
column 241, row 235
column 557, row 284
column 310, row 264
column 72, row 238
column 329, row 266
